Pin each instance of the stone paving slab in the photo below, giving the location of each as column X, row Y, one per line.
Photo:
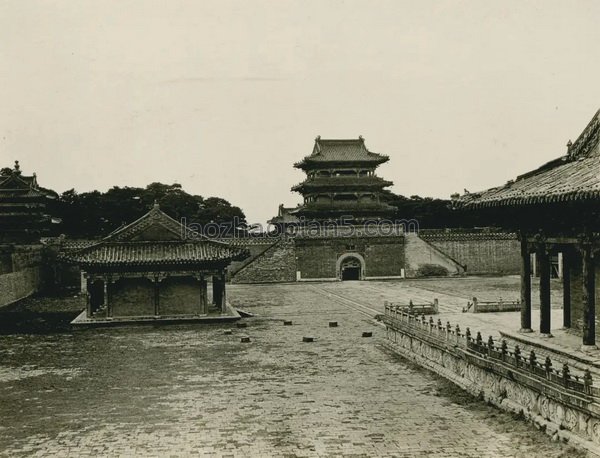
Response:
column 187, row 390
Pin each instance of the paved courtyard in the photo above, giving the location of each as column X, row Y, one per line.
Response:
column 194, row 390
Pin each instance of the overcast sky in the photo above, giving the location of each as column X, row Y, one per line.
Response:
column 223, row 97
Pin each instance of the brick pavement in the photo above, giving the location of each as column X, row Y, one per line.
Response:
column 194, row 391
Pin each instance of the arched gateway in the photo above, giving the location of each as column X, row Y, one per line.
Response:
column 350, row 266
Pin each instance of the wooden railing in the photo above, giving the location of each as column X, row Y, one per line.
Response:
column 452, row 337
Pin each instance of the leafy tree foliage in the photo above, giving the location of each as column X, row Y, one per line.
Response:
column 94, row 214
column 434, row 213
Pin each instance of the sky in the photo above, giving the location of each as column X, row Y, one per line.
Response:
column 224, row 96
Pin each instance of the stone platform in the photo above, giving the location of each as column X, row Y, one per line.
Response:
column 83, row 321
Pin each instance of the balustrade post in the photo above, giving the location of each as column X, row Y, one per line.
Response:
column 566, row 374
column 548, row 367
column 587, row 382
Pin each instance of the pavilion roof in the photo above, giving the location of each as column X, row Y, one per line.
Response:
column 154, row 239
column 339, row 151
column 573, row 177
column 173, row 253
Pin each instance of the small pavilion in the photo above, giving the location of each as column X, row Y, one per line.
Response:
column 556, row 210
column 154, row 268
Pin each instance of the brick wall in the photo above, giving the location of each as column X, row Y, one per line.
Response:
column 256, row 249
column 420, row 252
column 22, row 272
column 483, row 253
column 275, row 264
column 316, row 258
column 18, row 285
column 179, row 295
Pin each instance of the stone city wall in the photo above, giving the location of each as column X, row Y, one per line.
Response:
column 317, row 258
column 480, row 252
column 19, row 285
column 271, row 264
column 419, row 253
column 22, row 272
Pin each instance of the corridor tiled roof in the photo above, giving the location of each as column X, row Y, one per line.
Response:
column 573, row 177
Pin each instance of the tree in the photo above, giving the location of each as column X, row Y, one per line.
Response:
column 96, row 214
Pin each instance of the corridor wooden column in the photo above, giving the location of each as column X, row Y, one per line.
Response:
column 589, row 296
column 566, row 280
column 545, row 304
column 525, row 286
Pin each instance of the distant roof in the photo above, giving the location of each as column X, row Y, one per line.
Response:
column 284, row 216
column 15, row 183
column 154, row 239
column 573, row 177
column 328, row 150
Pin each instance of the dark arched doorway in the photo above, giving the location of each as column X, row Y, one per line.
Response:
column 350, row 269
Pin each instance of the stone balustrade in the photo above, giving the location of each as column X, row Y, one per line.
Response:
column 428, row 308
column 477, row 306
column 499, row 354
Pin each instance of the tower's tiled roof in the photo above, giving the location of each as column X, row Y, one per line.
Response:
column 573, row 177
column 349, row 183
column 337, row 151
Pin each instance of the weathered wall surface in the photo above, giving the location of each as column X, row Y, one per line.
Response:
column 18, row 285
column 482, row 253
column 21, row 272
column 317, row 258
column 179, row 295
column 275, row 264
column 562, row 416
column 132, row 297
column 577, row 292
column 420, row 252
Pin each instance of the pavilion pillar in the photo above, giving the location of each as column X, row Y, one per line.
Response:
column 88, row 303
column 589, row 297
column 203, row 296
column 219, row 296
column 566, row 279
column 216, row 288
column 545, row 303
column 156, row 296
column 107, row 303
column 525, row 286
column 223, row 295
